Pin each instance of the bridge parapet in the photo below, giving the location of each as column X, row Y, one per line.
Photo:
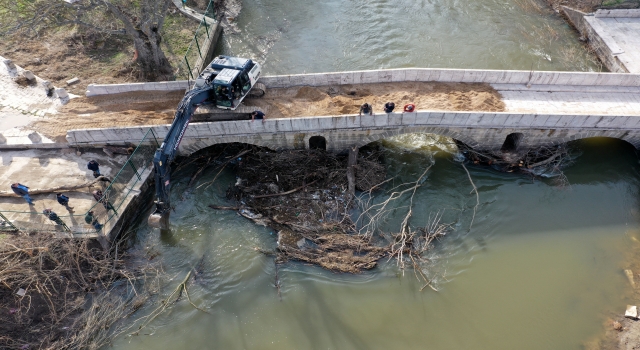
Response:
column 486, row 130
column 453, row 75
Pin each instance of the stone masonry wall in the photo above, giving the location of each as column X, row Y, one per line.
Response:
column 479, row 130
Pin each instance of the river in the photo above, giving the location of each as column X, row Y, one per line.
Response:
column 540, row 268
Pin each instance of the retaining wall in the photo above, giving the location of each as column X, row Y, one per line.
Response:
column 454, row 75
column 602, row 43
column 526, row 78
column 479, row 130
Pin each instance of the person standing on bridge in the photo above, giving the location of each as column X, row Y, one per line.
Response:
column 409, row 108
column 257, row 115
column 91, row 219
column 366, row 109
column 95, row 167
column 22, row 191
column 389, row 107
column 101, row 198
column 55, row 218
column 64, row 200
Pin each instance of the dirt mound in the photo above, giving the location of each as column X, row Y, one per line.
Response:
column 346, row 99
column 308, row 93
column 136, row 108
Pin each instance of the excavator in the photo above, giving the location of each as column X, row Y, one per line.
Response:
column 225, row 82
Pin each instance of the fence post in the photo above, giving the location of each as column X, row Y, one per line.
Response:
column 134, row 169
column 206, row 26
column 198, row 45
column 8, row 222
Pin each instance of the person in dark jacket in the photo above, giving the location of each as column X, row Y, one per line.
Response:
column 257, row 115
column 55, row 218
column 92, row 220
column 389, row 106
column 22, row 191
column 95, row 167
column 366, row 109
column 100, row 198
column 64, row 200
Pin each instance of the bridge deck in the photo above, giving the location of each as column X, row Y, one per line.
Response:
column 548, row 99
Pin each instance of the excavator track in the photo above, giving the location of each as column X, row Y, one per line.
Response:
column 257, row 91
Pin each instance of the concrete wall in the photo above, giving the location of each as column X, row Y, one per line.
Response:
column 108, row 89
column 208, row 46
column 479, row 130
column 454, row 75
column 605, row 47
column 399, row 75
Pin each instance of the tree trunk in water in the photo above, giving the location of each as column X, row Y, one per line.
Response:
column 151, row 59
column 351, row 174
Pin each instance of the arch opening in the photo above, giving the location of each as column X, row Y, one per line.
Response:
column 318, row 142
column 511, row 142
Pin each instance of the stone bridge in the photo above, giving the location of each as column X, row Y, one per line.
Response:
column 542, row 108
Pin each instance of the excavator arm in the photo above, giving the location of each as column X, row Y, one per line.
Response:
column 165, row 155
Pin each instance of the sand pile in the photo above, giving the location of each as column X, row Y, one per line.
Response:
column 346, row 99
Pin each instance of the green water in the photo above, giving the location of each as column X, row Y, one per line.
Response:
column 293, row 36
column 539, row 269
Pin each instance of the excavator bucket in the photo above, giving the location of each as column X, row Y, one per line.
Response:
column 160, row 221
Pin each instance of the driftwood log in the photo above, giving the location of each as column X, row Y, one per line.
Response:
column 56, row 189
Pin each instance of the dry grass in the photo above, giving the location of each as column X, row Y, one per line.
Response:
column 64, row 293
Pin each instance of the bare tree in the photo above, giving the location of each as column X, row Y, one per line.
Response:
column 141, row 20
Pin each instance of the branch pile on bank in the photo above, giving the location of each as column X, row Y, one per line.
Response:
column 64, row 293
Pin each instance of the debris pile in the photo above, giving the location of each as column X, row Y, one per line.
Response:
column 304, row 195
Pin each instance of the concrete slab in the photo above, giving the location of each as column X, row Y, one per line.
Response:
column 41, row 169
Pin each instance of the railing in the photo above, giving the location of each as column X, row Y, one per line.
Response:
column 114, row 195
column 195, row 52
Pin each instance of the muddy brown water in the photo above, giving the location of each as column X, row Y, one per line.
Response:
column 541, row 267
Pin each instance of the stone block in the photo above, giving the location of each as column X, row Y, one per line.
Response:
column 334, row 78
column 613, row 122
column 384, row 76
column 369, row 77
column 29, row 75
column 280, row 125
column 353, row 121
column 73, row 81
column 564, row 121
column 321, row 80
column 398, row 75
column 299, row 80
column 346, row 78
column 3, row 139
column 380, row 119
column 473, row 76
column 35, row 137
column 10, row 65
column 394, row 119
column 551, row 121
column 450, row 118
column 411, row 74
column 542, row 78
column 62, row 93
column 269, row 82
column 631, row 312
column 429, row 118
column 474, row 119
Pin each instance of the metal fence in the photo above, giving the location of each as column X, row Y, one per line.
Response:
column 115, row 193
column 196, row 53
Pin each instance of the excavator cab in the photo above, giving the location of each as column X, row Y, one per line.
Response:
column 230, row 87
